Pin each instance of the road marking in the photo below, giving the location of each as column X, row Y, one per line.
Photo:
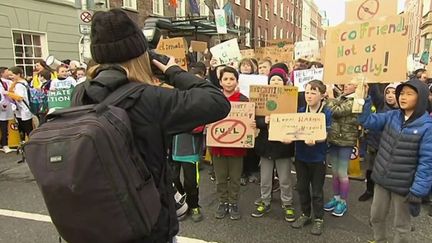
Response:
column 45, row 218
column 24, row 215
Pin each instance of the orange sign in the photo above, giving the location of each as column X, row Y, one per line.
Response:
column 176, row 48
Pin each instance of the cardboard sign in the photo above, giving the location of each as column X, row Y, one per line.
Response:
column 227, row 52
column 307, row 49
column 246, row 80
column 235, row 130
column 375, row 50
column 271, row 99
column 364, row 10
column 220, row 20
column 302, row 77
column 275, row 53
column 59, row 98
column 248, row 53
column 176, row 48
column 199, row 46
column 279, row 42
column 297, row 126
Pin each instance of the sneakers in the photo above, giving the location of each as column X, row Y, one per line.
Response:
column 365, row 196
column 340, row 209
column 221, row 211
column 317, row 227
column 258, row 201
column 261, row 210
column 331, row 205
column 275, row 185
column 234, row 211
column 6, row 149
column 243, row 181
column 289, row 213
column 196, row 215
column 302, row 221
column 253, row 179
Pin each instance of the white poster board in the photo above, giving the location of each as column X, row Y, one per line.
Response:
column 246, row 80
column 227, row 52
column 302, row 77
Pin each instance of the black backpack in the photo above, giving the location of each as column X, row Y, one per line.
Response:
column 95, row 184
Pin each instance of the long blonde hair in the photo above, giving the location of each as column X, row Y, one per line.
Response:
column 137, row 69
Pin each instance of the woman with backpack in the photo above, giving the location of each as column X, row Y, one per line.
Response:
column 121, row 51
column 18, row 92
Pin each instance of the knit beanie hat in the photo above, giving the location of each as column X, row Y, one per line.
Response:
column 278, row 72
column 280, row 65
column 115, row 37
column 391, row 86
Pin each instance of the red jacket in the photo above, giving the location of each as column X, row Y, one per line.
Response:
column 231, row 152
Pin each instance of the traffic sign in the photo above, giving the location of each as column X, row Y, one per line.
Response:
column 85, row 29
column 86, row 17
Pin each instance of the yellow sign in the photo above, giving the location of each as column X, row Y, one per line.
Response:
column 235, row 131
column 248, row 53
column 199, row 46
column 271, row 99
column 176, row 48
column 374, row 50
column 364, row 10
column 275, row 53
column 297, row 126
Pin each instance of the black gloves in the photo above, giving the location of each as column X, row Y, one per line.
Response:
column 414, row 204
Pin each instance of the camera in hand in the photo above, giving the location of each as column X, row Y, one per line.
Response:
column 160, row 58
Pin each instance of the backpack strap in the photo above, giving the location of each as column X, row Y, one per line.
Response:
column 28, row 96
column 131, row 89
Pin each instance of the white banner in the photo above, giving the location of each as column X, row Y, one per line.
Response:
column 306, row 49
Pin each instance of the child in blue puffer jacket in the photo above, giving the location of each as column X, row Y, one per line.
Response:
column 403, row 167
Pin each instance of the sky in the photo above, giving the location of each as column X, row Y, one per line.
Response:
column 336, row 9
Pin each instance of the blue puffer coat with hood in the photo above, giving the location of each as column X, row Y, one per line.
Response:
column 404, row 161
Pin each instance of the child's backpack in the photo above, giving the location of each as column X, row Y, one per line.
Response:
column 95, row 184
column 38, row 100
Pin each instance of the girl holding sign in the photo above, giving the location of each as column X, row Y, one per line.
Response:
column 274, row 154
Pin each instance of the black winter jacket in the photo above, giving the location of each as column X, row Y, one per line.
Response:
column 156, row 115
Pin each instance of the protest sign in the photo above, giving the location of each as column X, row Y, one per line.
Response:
column 248, row 53
column 297, row 126
column 246, row 80
column 220, row 20
column 270, row 99
column 199, row 46
column 59, row 98
column 176, row 48
column 235, row 131
column 275, row 53
column 227, row 52
column 363, row 10
column 307, row 49
column 375, row 50
column 302, row 77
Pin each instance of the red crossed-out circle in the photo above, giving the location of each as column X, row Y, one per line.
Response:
column 365, row 10
column 232, row 124
column 86, row 17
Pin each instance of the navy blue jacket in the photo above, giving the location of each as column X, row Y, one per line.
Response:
column 318, row 152
column 404, row 160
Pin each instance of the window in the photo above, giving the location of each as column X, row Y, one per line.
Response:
column 131, row 4
column 158, row 7
column 236, row 1
column 288, row 34
column 266, row 9
column 181, row 8
column 275, row 7
column 281, row 33
column 259, row 9
column 288, row 14
column 259, row 37
column 281, row 9
column 265, row 36
column 28, row 47
column 248, row 34
column 292, row 16
column 237, row 22
column 274, row 32
column 292, row 35
column 248, row 4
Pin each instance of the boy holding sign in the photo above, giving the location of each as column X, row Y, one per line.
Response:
column 310, row 163
column 228, row 162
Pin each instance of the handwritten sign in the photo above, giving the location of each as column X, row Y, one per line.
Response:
column 235, row 130
column 302, row 77
column 270, row 99
column 174, row 47
column 375, row 50
column 59, row 98
column 297, row 126
column 307, row 49
column 246, row 80
column 364, row 10
column 275, row 53
column 199, row 46
column 227, row 52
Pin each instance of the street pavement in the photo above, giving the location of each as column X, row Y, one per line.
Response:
column 19, row 194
